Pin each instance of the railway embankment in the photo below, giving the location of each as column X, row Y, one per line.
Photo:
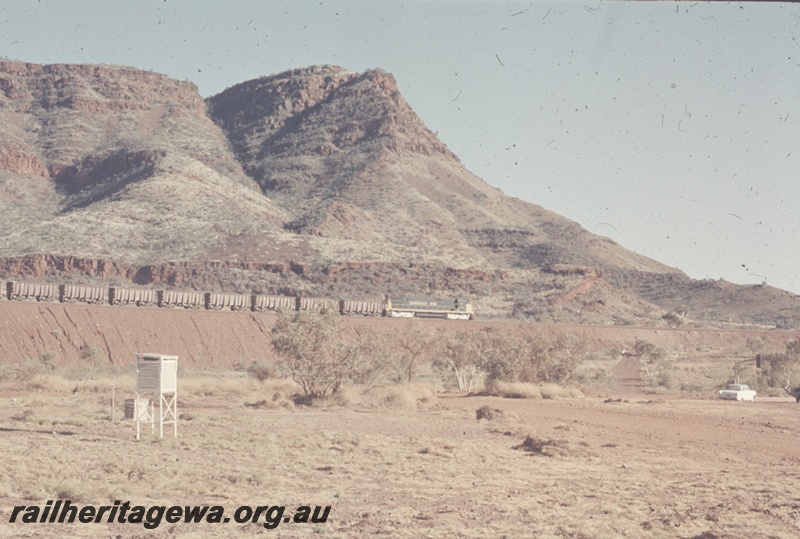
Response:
column 222, row 339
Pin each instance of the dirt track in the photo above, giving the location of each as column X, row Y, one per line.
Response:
column 221, row 339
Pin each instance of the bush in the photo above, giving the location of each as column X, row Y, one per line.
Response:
column 546, row 446
column 308, row 346
column 486, row 412
column 261, row 370
column 32, row 373
column 500, row 357
column 653, row 360
column 515, row 390
column 403, row 396
column 555, row 391
column 92, row 354
column 48, row 361
column 525, row 390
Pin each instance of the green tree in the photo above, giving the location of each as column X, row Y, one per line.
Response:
column 476, row 355
column 560, row 359
column 782, row 370
column 549, row 361
column 366, row 358
column 653, row 360
column 504, row 354
column 414, row 344
column 321, row 354
column 464, row 355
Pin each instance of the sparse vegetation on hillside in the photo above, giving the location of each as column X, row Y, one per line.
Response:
column 676, row 317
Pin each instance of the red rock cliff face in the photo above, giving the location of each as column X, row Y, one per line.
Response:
column 318, row 112
column 68, row 268
column 92, row 87
column 21, row 159
column 339, row 150
column 39, row 266
column 57, row 114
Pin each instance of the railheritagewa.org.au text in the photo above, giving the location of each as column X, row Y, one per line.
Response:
column 151, row 517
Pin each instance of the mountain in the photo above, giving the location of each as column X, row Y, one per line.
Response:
column 319, row 181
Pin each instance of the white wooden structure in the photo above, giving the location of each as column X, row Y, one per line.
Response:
column 157, row 378
column 137, row 408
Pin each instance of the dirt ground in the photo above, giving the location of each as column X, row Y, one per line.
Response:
column 396, row 461
column 626, row 465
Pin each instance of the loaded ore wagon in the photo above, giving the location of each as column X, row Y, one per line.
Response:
column 141, row 297
column 364, row 308
column 179, row 298
column 33, row 291
column 316, row 304
column 233, row 302
column 73, row 293
column 274, row 303
column 423, row 307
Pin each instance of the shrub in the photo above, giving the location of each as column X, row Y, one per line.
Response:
column 404, row 396
column 92, row 354
column 516, row 390
column 486, row 412
column 545, row 446
column 261, row 370
column 48, row 360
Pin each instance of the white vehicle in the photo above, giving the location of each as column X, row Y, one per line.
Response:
column 737, row 392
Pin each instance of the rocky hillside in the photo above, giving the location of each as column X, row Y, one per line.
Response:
column 318, row 180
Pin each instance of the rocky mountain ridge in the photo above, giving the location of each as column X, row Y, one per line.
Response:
column 317, row 181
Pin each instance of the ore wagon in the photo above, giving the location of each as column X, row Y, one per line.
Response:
column 233, row 302
column 141, row 297
column 73, row 293
column 33, row 291
column 274, row 303
column 364, row 308
column 316, row 304
column 179, row 298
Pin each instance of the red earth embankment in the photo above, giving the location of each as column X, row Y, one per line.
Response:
column 206, row 339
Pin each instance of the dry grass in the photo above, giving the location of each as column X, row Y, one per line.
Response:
column 403, row 461
column 402, row 397
column 522, row 390
column 595, row 372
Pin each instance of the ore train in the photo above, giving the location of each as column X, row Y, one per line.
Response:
column 395, row 307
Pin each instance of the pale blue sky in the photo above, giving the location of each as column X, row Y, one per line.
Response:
column 670, row 127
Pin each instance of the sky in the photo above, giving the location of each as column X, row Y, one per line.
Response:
column 672, row 128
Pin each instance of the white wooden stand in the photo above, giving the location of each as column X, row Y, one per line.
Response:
column 157, row 378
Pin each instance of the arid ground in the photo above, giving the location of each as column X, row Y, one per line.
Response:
column 607, row 457
column 408, row 462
